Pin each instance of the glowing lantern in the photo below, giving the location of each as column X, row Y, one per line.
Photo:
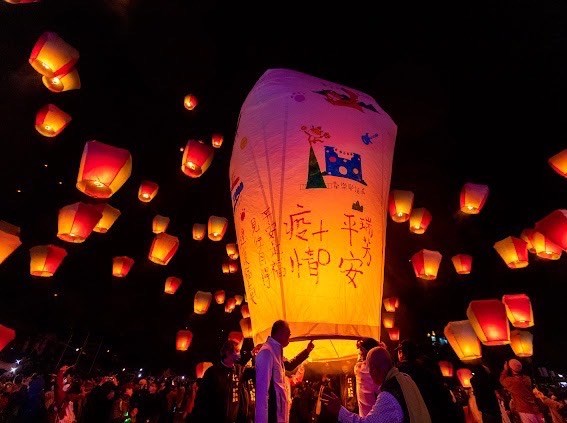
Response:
column 52, row 56
column 554, row 227
column 232, row 251
column 217, row 140
column 217, row 227
column 190, row 101
column 230, row 305
column 559, row 163
column 220, row 296
column 21, row 2
column 225, row 268
column 391, row 303
column 9, row 239
column 419, row 220
column 45, row 259
column 538, row 244
column 462, row 338
column 388, row 319
column 462, row 263
column 199, row 231
column 246, row 327
column 67, row 82
column 104, row 169
column 50, row 120
column 473, row 197
column 7, row 335
column 238, row 299
column 172, row 284
column 121, row 266
column 163, row 248
column 201, row 368
column 245, row 311
column 489, row 321
column 514, row 252
column 160, row 224
column 197, row 157
column 400, row 205
column 464, row 376
column 237, row 337
column 519, row 310
column 394, row 334
column 202, row 302
column 426, row 264
column 183, row 340
column 109, row 216
column 521, row 342
column 77, row 221
column 446, row 368
column 232, row 266
column 147, row 191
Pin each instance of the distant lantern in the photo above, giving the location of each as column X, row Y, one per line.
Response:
column 9, row 239
column 199, row 231
column 172, row 284
column 244, row 310
column 202, row 302
column 238, row 299
column 230, row 305
column 462, row 263
column 394, row 334
column 419, row 220
column 446, row 368
column 489, row 321
column 225, row 269
column 464, row 376
column 163, row 248
column 45, row 260
column 104, row 169
column 538, row 244
column 217, row 227
column 527, row 235
column 514, row 252
column 50, row 120
column 232, row 250
column 109, row 216
column 559, row 163
column 522, row 343
column 400, row 205
column 147, row 191
column 7, row 335
column 121, row 266
column 197, row 157
column 21, row 2
column 217, row 140
column 220, row 296
column 391, row 303
column 519, row 310
column 426, row 264
column 160, row 224
column 388, row 320
column 473, row 197
column 554, row 227
column 183, row 340
column 232, row 266
column 237, row 337
column 462, row 338
column 246, row 327
column 52, row 56
column 201, row 368
column 69, row 81
column 77, row 221
column 190, row 101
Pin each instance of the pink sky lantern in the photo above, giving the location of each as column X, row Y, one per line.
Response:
column 50, row 120
column 160, row 224
column 190, row 101
column 147, row 191
column 446, row 368
column 554, row 227
column 519, row 310
column 400, row 204
column 419, row 221
column 69, row 81
column 462, row 263
column 216, row 140
column 391, row 303
column 51, row 56
column 462, row 338
column 558, row 163
column 464, row 376
column 541, row 246
column 394, row 334
column 514, row 252
column 109, row 216
column 172, row 284
column 202, row 302
column 220, row 296
column 7, row 335
column 473, row 197
column 246, row 327
column 199, row 231
column 77, row 221
column 121, row 266
column 164, row 247
column 183, row 340
column 489, row 321
column 45, row 260
column 522, row 343
column 426, row 264
column 197, row 157
column 9, row 239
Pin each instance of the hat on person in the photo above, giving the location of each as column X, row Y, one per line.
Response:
column 515, row 365
column 367, row 343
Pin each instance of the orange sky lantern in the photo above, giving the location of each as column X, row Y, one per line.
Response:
column 473, row 198
column 183, row 340
column 519, row 310
column 527, row 235
column 197, row 157
column 426, row 264
column 464, row 376
column 199, row 231
column 541, row 246
column 190, row 101
column 244, row 310
column 7, row 335
column 558, row 163
column 489, row 321
column 238, row 299
column 446, row 368
column 216, row 140
column 109, row 216
column 201, row 368
column 121, row 266
column 230, row 305
column 394, row 334
column 69, row 81
column 462, row 263
column 237, row 337
column 77, row 221
column 419, row 221
column 147, row 191
column 50, row 120
column 514, row 252
column 400, row 204
column 160, row 224
column 46, row 259
column 246, row 327
column 172, row 284
column 9, row 239
column 462, row 338
column 164, row 247
column 388, row 319
column 554, row 227
column 52, row 56
column 202, row 302
column 220, row 296
column 104, row 169
column 232, row 250
column 224, row 267
column 522, row 343
column 391, row 303
column 217, row 227
column 232, row 266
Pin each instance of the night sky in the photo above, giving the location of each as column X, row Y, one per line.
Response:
column 478, row 96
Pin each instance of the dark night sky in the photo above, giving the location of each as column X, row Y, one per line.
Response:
column 478, row 96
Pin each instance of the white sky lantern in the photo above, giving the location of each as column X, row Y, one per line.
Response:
column 217, row 227
column 310, row 178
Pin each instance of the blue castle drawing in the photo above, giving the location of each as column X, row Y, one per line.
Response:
column 343, row 164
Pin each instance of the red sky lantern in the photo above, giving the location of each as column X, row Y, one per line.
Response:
column 426, row 264
column 199, row 231
column 419, row 220
column 172, row 284
column 559, row 163
column 462, row 338
column 7, row 335
column 400, row 204
column 45, row 260
column 163, row 248
column 232, row 251
column 69, row 81
column 446, row 368
column 473, row 197
column 121, row 266
column 217, row 140
column 197, row 157
column 77, row 221
column 394, row 334
column 519, row 310
column 104, row 169
column 160, row 224
column 514, row 252
column 489, row 321
column 220, row 296
column 237, row 337
column 147, row 191
column 232, row 266
column 230, row 305
column 522, row 343
column 554, row 227
column 183, row 340
column 246, row 327
column 109, row 216
column 217, row 227
column 388, row 320
column 238, row 299
column 541, row 246
column 462, row 263
column 9, row 239
column 50, row 120
column 464, row 376
column 391, row 303
column 202, row 302
column 52, row 56
column 245, row 311
column 190, row 101
column 201, row 368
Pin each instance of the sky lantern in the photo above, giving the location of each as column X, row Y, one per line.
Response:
column 558, row 163
column 224, row 267
column 9, row 239
column 197, row 157
column 172, row 284
column 238, row 299
column 554, row 227
column 391, row 303
column 527, row 235
column 237, row 337
column 462, row 263
column 51, row 56
column 464, row 375
column 164, row 247
column 147, row 191
column 473, row 197
column 394, row 334
column 217, row 227
column 246, row 327
column 202, row 302
column 183, row 340
column 109, row 216
column 388, row 319
column 69, row 81
column 419, row 221
column 244, row 310
column 77, row 221
column 426, row 264
column 232, row 266
column 45, row 260
column 400, row 204
column 541, row 246
column 104, row 169
column 514, row 252
column 519, row 310
column 21, row 2
column 199, row 231
column 220, row 296
column 121, row 266
column 522, row 343
column 293, row 157
column 50, row 120
column 489, row 321
column 190, row 101
column 160, row 224
column 216, row 140
column 232, row 250
column 230, row 305
column 7, row 335
column 462, row 338
column 446, row 368
column 201, row 368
